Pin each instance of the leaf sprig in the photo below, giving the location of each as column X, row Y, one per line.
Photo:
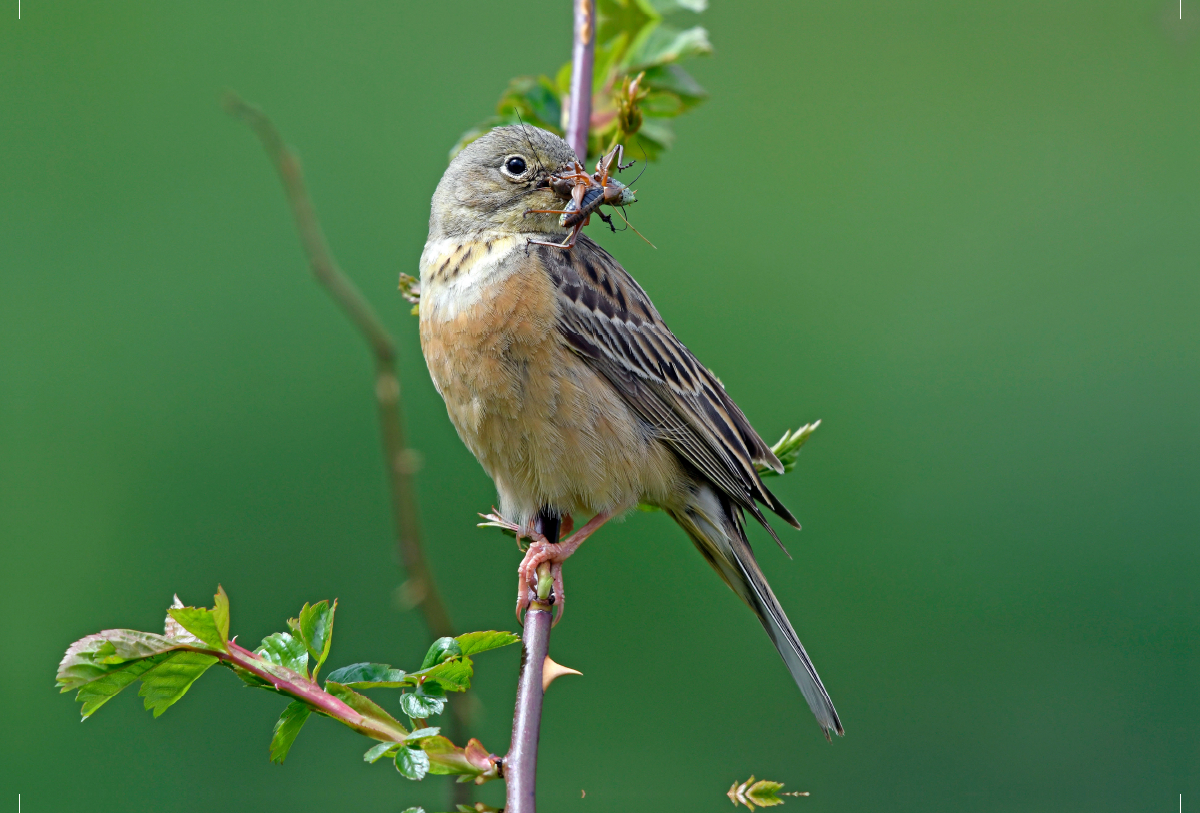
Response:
column 98, row 667
column 787, row 449
column 637, row 87
column 763, row 793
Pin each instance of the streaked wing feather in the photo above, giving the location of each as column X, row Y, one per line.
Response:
column 606, row 317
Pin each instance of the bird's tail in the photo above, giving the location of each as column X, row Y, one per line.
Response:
column 717, row 528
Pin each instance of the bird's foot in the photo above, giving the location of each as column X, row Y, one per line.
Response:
column 541, row 550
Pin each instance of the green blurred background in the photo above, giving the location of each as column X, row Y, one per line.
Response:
column 964, row 235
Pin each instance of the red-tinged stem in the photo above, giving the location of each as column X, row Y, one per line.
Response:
column 298, row 686
column 583, row 54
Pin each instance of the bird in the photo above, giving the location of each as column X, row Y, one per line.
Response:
column 563, row 380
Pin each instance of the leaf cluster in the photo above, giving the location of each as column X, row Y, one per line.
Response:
column 98, row 667
column 638, row 84
column 787, row 449
column 763, row 793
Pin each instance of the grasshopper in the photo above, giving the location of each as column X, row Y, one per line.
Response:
column 587, row 193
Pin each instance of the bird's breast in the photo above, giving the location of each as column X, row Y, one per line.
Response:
column 488, row 315
column 545, row 426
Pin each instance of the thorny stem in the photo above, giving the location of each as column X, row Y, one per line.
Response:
column 579, row 112
column 399, row 459
column 520, row 766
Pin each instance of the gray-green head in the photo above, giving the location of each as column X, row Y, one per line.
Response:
column 497, row 179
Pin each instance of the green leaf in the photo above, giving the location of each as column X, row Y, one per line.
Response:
column 473, row 642
column 440, row 650
column 169, row 680
column 426, row 701
column 283, row 650
column 94, row 656
column 412, row 762
column 663, row 44
column 423, row 733
column 413, row 810
column 453, row 675
column 286, row 729
column 201, row 623
column 674, row 79
column 445, row 757
column 368, row 676
column 364, row 706
column 95, row 694
column 763, row 793
column 316, row 627
column 376, row 752
column 533, row 97
column 220, row 613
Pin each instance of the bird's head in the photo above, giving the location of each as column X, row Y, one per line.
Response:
column 497, row 179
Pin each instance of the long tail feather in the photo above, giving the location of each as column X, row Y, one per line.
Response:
column 716, row 527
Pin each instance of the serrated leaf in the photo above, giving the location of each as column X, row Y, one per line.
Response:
column 316, row 627
column 95, row 694
column 763, row 793
column 412, row 763
column 171, row 627
column 440, row 650
column 220, row 613
column 454, row 675
column 473, row 642
column 94, row 656
column 199, row 622
column 376, row 752
column 426, row 701
column 422, row 733
column 170, row 679
column 286, row 728
column 663, row 44
column 363, row 705
column 283, row 650
column 368, row 676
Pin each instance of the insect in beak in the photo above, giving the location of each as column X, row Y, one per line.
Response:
column 586, row 193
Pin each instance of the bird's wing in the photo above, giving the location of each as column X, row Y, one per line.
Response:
column 606, row 318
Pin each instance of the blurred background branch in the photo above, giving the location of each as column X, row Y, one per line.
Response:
column 400, row 461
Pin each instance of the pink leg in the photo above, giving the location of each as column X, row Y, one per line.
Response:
column 541, row 550
column 496, row 521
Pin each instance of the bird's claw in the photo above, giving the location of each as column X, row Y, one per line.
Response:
column 542, row 551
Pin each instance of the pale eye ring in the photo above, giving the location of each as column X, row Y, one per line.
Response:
column 514, row 166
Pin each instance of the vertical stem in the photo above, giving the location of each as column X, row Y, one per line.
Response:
column 579, row 112
column 520, row 766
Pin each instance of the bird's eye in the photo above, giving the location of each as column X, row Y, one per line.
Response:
column 515, row 165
